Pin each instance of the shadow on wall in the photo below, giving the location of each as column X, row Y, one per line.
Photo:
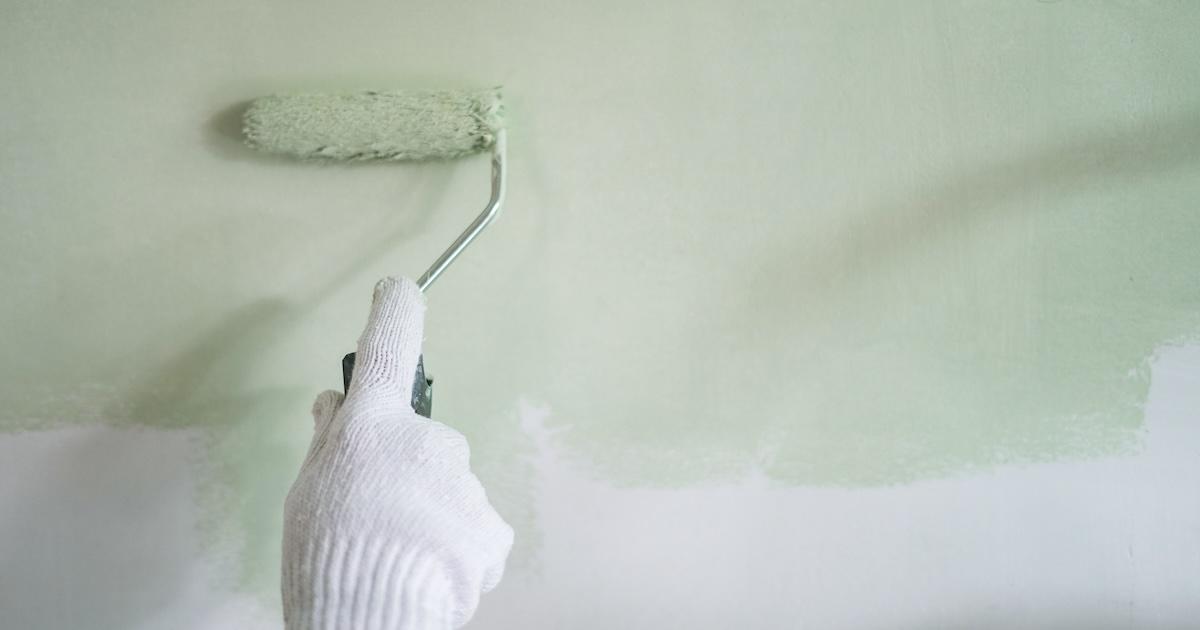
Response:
column 223, row 137
column 1003, row 312
column 1007, row 311
column 254, row 438
column 250, row 438
column 897, row 228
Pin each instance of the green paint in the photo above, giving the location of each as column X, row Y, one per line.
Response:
column 847, row 244
column 872, row 247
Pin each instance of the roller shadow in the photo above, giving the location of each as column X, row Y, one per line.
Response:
column 222, row 136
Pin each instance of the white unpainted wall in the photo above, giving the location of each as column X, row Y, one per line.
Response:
column 99, row 532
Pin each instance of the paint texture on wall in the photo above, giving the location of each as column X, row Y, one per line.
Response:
column 841, row 244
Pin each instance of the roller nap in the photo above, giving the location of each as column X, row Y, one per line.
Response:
column 386, row 125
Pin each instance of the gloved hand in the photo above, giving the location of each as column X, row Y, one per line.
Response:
column 386, row 527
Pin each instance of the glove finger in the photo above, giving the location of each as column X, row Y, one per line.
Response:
column 324, row 408
column 390, row 345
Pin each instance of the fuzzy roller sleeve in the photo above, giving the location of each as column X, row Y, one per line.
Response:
column 386, row 528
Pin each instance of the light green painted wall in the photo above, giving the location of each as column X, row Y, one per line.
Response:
column 847, row 243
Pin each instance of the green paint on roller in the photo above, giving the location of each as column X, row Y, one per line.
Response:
column 375, row 125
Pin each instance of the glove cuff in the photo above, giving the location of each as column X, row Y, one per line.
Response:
column 347, row 583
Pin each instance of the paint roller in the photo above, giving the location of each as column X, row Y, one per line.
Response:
column 390, row 126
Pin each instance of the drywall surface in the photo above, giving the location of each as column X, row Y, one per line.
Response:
column 795, row 253
column 98, row 534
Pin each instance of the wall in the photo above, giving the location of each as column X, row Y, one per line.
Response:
column 799, row 315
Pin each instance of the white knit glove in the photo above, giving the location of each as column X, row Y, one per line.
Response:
column 386, row 527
